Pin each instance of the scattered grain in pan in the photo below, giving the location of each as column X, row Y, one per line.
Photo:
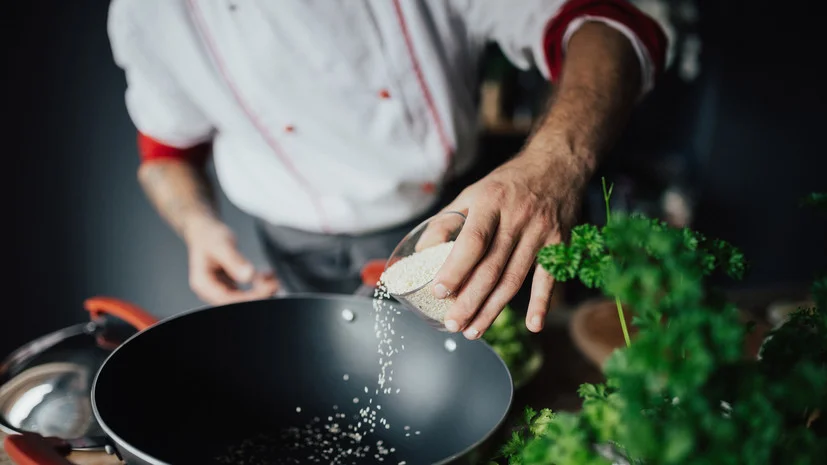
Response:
column 341, row 439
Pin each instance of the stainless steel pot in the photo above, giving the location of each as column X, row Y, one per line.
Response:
column 45, row 385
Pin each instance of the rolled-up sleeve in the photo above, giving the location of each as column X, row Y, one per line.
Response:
column 169, row 125
column 535, row 33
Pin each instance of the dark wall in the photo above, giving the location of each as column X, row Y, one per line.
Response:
column 762, row 135
column 80, row 225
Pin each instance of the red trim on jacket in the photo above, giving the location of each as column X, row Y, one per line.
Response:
column 263, row 130
column 423, row 83
column 152, row 150
column 621, row 11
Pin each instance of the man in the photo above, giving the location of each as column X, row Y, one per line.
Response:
column 340, row 125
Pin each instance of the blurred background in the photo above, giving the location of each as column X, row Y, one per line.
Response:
column 728, row 143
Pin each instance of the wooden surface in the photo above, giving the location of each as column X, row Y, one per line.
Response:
column 77, row 458
column 597, row 333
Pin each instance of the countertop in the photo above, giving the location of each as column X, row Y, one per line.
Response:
column 78, row 458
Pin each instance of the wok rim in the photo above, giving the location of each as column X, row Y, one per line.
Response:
column 120, row 443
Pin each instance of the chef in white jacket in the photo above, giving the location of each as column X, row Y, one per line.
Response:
column 339, row 125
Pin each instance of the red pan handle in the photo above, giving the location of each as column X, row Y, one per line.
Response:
column 34, row 449
column 139, row 318
column 372, row 271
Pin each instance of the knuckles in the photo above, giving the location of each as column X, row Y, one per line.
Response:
column 511, row 281
column 489, row 272
column 495, row 190
column 525, row 212
column 546, row 223
column 464, row 308
column 479, row 238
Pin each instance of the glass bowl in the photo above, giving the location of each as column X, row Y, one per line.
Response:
column 414, row 263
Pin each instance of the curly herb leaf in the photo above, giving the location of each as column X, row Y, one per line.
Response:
column 540, row 423
column 581, row 258
column 509, row 338
column 802, row 339
column 683, row 393
column 591, row 253
column 816, row 199
column 535, row 424
column 566, row 442
column 513, row 449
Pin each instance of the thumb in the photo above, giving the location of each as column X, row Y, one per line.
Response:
column 442, row 226
column 237, row 267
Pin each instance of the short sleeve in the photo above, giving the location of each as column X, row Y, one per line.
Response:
column 535, row 33
column 158, row 107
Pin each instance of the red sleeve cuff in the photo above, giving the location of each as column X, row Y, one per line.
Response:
column 151, row 150
column 644, row 27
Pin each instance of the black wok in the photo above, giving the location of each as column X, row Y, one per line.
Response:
column 194, row 386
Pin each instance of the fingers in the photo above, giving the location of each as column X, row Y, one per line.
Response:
column 541, row 288
column 210, row 284
column 480, row 283
column 216, row 288
column 468, row 250
column 237, row 267
column 442, row 226
column 509, row 284
column 217, row 268
column 438, row 231
column 264, row 285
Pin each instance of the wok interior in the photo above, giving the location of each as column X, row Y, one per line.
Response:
column 186, row 389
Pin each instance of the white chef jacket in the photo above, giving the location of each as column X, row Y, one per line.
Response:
column 335, row 116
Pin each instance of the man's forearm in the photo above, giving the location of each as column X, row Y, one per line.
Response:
column 597, row 90
column 180, row 192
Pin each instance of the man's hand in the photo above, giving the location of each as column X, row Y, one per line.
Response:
column 531, row 201
column 182, row 195
column 512, row 213
column 217, row 268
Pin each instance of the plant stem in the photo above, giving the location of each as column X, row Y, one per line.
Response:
column 622, row 322
column 607, row 194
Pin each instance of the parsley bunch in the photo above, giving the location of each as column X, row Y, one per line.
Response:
column 512, row 342
column 682, row 392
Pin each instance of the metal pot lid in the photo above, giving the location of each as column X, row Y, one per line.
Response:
column 45, row 386
column 51, row 400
